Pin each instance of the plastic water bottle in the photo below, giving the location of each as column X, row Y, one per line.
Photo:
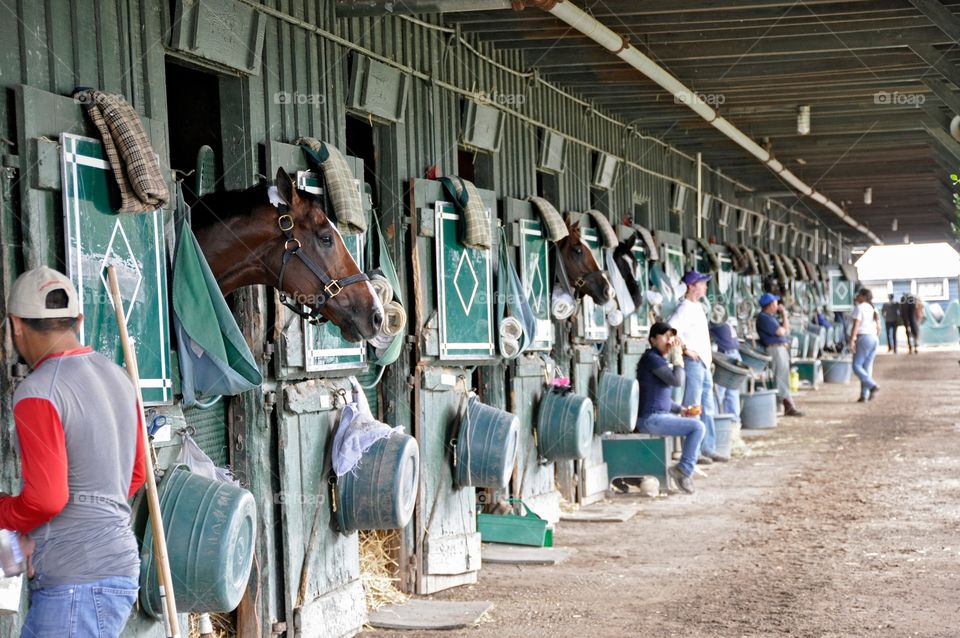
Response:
column 794, row 379
column 11, row 558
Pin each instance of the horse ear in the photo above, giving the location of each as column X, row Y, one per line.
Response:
column 285, row 187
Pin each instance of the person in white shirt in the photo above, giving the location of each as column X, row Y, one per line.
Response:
column 864, row 337
column 690, row 322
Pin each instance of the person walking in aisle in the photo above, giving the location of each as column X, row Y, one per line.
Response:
column 864, row 337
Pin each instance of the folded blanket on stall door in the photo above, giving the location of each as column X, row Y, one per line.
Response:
column 340, row 182
column 554, row 228
column 129, row 153
column 475, row 222
column 608, row 236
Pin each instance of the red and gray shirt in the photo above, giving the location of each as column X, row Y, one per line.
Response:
column 80, row 439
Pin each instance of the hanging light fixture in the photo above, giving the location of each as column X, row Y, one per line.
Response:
column 867, row 195
column 894, row 225
column 803, row 120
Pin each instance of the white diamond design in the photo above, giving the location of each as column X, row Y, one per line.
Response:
column 536, row 285
column 466, row 304
column 120, row 255
column 841, row 289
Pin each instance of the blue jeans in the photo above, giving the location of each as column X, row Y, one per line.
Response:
column 100, row 608
column 863, row 362
column 688, row 427
column 729, row 399
column 698, row 390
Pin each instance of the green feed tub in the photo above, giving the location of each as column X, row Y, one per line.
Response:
column 758, row 410
column 486, row 446
column 511, row 529
column 618, row 400
column 380, row 493
column 837, row 370
column 729, row 372
column 564, row 426
column 211, row 528
column 755, row 359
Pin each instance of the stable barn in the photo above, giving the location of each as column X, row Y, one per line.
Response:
column 225, row 89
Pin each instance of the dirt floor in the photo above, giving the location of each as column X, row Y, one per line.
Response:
column 845, row 522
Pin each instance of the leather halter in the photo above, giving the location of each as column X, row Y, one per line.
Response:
column 293, row 248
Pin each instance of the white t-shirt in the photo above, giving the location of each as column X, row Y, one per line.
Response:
column 691, row 324
column 866, row 315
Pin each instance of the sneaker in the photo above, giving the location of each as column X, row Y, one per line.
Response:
column 717, row 458
column 873, row 391
column 683, row 481
column 704, row 460
column 862, row 400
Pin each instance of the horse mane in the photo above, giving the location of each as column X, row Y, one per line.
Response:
column 221, row 205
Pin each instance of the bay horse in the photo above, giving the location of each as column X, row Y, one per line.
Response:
column 292, row 245
column 583, row 272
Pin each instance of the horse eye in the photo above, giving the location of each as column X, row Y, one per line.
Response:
column 326, row 240
column 578, row 251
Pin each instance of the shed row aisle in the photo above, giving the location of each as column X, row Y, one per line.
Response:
column 841, row 523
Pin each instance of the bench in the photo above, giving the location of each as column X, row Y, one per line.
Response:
column 635, row 455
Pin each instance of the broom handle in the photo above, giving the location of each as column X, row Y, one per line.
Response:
column 167, row 602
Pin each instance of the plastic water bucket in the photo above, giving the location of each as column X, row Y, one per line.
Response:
column 755, row 359
column 618, row 403
column 211, row 529
column 486, row 446
column 10, row 595
column 729, row 372
column 564, row 426
column 380, row 493
column 837, row 370
column 725, row 425
column 759, row 409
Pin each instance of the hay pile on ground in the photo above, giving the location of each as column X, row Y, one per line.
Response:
column 380, row 568
column 223, row 626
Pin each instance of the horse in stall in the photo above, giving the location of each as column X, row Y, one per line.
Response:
column 583, row 273
column 278, row 235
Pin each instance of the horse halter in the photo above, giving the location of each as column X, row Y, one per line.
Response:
column 293, row 248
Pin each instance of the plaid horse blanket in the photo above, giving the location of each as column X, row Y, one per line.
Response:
column 476, row 223
column 131, row 157
column 554, row 227
column 608, row 236
column 341, row 185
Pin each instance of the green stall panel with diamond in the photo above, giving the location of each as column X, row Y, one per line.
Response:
column 131, row 242
column 638, row 324
column 594, row 326
column 465, row 291
column 535, row 278
column 841, row 292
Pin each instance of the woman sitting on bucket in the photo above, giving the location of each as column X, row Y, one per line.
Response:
column 658, row 413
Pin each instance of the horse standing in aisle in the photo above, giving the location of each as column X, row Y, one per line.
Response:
column 284, row 238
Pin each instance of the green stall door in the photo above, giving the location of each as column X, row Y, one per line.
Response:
column 131, row 242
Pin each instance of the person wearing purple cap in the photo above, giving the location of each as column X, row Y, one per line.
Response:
column 774, row 335
column 690, row 322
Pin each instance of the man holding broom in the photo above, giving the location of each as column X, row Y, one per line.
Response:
column 79, row 433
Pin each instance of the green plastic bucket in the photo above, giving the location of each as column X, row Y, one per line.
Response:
column 618, row 402
column 380, row 493
column 729, row 372
column 755, row 359
column 759, row 410
column 725, row 425
column 211, row 529
column 837, row 370
column 486, row 446
column 564, row 426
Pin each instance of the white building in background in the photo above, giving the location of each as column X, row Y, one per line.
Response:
column 930, row 272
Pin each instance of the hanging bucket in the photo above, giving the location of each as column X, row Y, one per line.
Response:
column 729, row 372
column 618, row 403
column 725, row 425
column 486, row 446
column 837, row 370
column 759, row 410
column 755, row 359
column 564, row 426
column 211, row 528
column 381, row 491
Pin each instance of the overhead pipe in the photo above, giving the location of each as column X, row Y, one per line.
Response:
column 621, row 47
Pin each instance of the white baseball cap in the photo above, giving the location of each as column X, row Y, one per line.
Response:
column 28, row 295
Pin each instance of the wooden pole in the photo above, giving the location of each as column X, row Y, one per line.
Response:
column 167, row 602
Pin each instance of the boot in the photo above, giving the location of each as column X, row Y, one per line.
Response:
column 790, row 409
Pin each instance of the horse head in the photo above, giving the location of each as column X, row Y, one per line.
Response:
column 583, row 271
column 355, row 309
column 293, row 246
